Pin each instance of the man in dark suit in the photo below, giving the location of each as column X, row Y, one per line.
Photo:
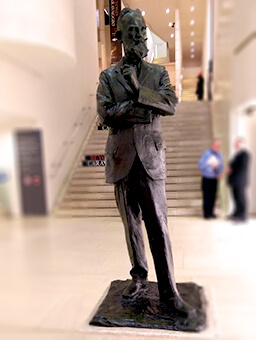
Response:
column 238, row 180
column 132, row 96
column 200, row 87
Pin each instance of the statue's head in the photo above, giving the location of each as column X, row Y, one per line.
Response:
column 131, row 31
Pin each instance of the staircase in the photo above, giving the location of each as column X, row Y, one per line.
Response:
column 189, row 89
column 187, row 135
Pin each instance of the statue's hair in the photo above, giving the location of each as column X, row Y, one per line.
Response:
column 123, row 13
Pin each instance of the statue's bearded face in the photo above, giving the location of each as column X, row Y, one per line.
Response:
column 134, row 37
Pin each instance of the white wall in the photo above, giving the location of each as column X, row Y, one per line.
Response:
column 54, row 102
column 160, row 46
column 150, row 46
column 208, row 47
column 178, row 56
column 38, row 32
column 191, row 72
column 244, row 74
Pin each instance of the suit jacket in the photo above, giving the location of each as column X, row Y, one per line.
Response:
column 135, row 126
column 239, row 169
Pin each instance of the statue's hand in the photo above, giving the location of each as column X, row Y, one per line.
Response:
column 129, row 73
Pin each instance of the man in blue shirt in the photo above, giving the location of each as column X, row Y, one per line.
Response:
column 211, row 166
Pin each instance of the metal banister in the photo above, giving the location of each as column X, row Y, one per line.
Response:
column 69, row 141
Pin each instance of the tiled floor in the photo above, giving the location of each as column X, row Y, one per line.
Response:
column 54, row 271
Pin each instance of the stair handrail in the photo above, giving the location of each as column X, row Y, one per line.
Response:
column 70, row 140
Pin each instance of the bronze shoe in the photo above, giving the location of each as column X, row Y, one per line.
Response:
column 177, row 305
column 135, row 288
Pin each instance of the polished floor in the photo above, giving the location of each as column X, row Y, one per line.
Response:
column 54, row 272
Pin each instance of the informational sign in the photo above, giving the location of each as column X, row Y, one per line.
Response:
column 30, row 162
column 116, row 48
column 94, row 160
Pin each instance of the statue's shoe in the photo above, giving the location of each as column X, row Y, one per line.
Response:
column 135, row 288
column 177, row 305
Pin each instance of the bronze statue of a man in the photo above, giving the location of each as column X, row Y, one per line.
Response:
column 132, row 96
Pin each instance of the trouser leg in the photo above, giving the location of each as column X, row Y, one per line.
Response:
column 213, row 193
column 240, row 202
column 130, row 212
column 152, row 200
column 206, row 197
column 234, row 194
column 209, row 190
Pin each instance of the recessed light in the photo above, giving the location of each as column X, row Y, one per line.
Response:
column 192, row 50
column 192, row 43
column 192, row 22
column 192, row 8
column 170, row 24
column 192, row 56
column 143, row 13
column 168, row 10
column 192, row 33
column 172, row 35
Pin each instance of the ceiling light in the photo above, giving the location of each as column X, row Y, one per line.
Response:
column 170, row 23
column 192, row 43
column 192, row 8
column 192, row 33
column 167, row 11
column 143, row 13
column 192, row 50
column 192, row 56
column 172, row 35
column 192, row 22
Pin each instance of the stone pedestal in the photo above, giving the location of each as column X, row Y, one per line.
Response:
column 146, row 311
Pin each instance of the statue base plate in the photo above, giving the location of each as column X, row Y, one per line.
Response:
column 146, row 311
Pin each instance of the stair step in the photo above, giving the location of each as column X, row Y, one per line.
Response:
column 169, row 153
column 109, row 188
column 173, row 146
column 170, row 173
column 88, row 213
column 176, row 139
column 114, row 212
column 170, row 159
column 172, row 203
column 171, row 165
column 193, row 161
column 110, row 195
column 101, row 181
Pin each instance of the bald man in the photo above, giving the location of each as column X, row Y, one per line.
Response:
column 238, row 180
column 211, row 166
